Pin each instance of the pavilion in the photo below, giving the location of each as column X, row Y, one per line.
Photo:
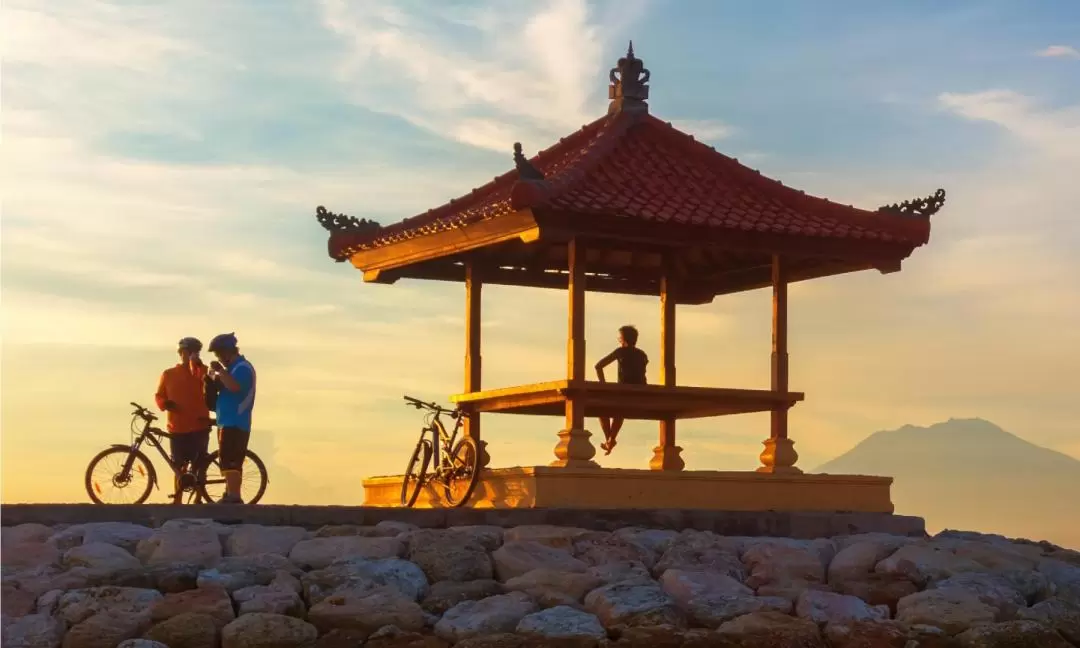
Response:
column 629, row 204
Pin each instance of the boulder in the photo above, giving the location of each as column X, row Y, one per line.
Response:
column 121, row 534
column 100, row 557
column 710, row 598
column 337, row 530
column 78, row 605
column 27, row 555
column 15, row 602
column 856, row 561
column 1064, row 576
column 557, row 537
column 393, row 528
column 446, row 594
column 605, row 548
column 141, row 643
column 318, row 553
column 366, row 612
column 33, row 631
column 212, row 602
column 561, row 622
column 701, row 552
column 1059, row 614
column 779, row 570
column 992, row 589
column 767, row 629
column 30, row 533
column 199, row 544
column 829, row 607
column 106, row 629
column 574, row 585
column 952, row 610
column 516, row 558
column 867, row 634
column 188, row 630
column 236, row 572
column 449, row 556
column 656, row 541
column 45, row 578
column 495, row 614
column 270, row 599
column 1011, row 634
column 619, row 572
column 633, row 604
column 923, row 564
column 878, row 589
column 392, row 637
column 268, row 631
column 490, row 537
column 253, row 539
column 685, row 585
column 359, row 574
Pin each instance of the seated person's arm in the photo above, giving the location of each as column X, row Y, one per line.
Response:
column 605, row 361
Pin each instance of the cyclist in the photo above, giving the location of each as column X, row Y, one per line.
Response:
column 181, row 393
column 234, row 378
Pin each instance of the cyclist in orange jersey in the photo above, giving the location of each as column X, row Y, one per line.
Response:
column 182, row 393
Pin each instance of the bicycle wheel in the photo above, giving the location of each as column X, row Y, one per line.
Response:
column 464, row 472
column 210, row 483
column 413, row 480
column 106, row 482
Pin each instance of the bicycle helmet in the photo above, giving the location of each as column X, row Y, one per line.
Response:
column 190, row 343
column 223, row 342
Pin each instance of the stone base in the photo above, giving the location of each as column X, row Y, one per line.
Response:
column 614, row 488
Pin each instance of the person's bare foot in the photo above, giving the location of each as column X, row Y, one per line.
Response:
column 608, row 446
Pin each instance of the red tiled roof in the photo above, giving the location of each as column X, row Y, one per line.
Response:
column 632, row 165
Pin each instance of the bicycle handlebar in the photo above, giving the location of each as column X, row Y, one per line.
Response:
column 419, row 404
column 143, row 412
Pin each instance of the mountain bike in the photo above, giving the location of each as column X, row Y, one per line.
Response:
column 457, row 461
column 126, row 470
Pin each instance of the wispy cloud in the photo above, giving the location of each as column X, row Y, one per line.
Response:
column 1054, row 132
column 1059, row 51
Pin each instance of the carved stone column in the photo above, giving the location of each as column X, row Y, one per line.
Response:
column 574, row 449
column 779, row 455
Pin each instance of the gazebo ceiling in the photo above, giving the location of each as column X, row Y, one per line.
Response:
column 645, row 199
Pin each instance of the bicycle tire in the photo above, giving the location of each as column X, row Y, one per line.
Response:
column 467, row 452
column 88, row 480
column 422, row 453
column 214, row 457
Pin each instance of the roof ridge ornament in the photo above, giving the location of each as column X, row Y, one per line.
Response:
column 525, row 169
column 629, row 78
column 341, row 223
column 917, row 207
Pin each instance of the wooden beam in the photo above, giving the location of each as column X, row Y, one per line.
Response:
column 666, row 454
column 473, row 289
column 779, row 420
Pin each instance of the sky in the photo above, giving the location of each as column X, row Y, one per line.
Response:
column 162, row 163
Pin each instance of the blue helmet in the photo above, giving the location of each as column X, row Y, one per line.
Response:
column 223, row 342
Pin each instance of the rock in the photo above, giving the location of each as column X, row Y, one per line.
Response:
column 188, row 630
column 779, row 570
column 605, row 548
column 338, row 530
column 30, row 533
column 212, row 602
column 1011, row 634
column 998, row 557
column 121, row 534
column 1059, row 614
column 878, row 589
column 27, row 555
column 223, row 531
column 254, row 539
column 197, row 544
column 393, row 528
column 686, row 585
column 490, row 537
column 857, row 561
column 867, row 634
column 235, row 572
column 992, row 589
column 952, row 610
column 78, row 605
column 700, row 552
column 574, row 585
column 170, row 577
column 1064, row 576
column 15, row 602
column 620, row 572
column 318, row 553
column 492, row 615
column 271, row 599
column 557, row 537
column 49, row 601
column 45, row 578
column 923, row 564
column 516, row 558
column 508, row 640
column 631, row 604
column 656, row 541
column 342, row 638
column 33, row 631
column 560, row 623
column 449, row 556
column 366, row 612
column 768, row 629
column 268, row 631
column 829, row 607
column 446, row 594
column 393, row 637
column 710, row 599
column 361, row 574
column 101, row 557
column 106, row 629
column 141, row 643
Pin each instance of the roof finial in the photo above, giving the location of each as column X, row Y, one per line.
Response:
column 525, row 169
column 629, row 79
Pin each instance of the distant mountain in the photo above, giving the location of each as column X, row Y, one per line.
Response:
column 970, row 474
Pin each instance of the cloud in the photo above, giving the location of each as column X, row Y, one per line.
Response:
column 487, row 75
column 1059, row 51
column 1054, row 132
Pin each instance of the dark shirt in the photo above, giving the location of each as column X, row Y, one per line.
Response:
column 632, row 361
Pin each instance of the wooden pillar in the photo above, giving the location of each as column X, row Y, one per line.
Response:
column 473, row 289
column 574, row 448
column 666, row 455
column 779, row 455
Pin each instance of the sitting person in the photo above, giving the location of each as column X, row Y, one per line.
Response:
column 631, row 363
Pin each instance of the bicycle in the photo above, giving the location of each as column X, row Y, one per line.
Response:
column 127, row 466
column 457, row 465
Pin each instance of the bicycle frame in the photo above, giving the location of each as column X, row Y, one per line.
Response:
column 443, row 441
column 150, row 434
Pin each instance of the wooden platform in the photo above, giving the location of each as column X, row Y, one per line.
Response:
column 642, row 402
column 613, row 488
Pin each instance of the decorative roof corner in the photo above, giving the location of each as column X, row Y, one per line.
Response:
column 629, row 88
column 525, row 169
column 917, row 207
column 341, row 223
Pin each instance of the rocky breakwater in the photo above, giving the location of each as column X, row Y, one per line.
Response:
column 201, row 584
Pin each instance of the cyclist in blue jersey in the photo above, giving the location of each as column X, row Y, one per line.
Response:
column 235, row 379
